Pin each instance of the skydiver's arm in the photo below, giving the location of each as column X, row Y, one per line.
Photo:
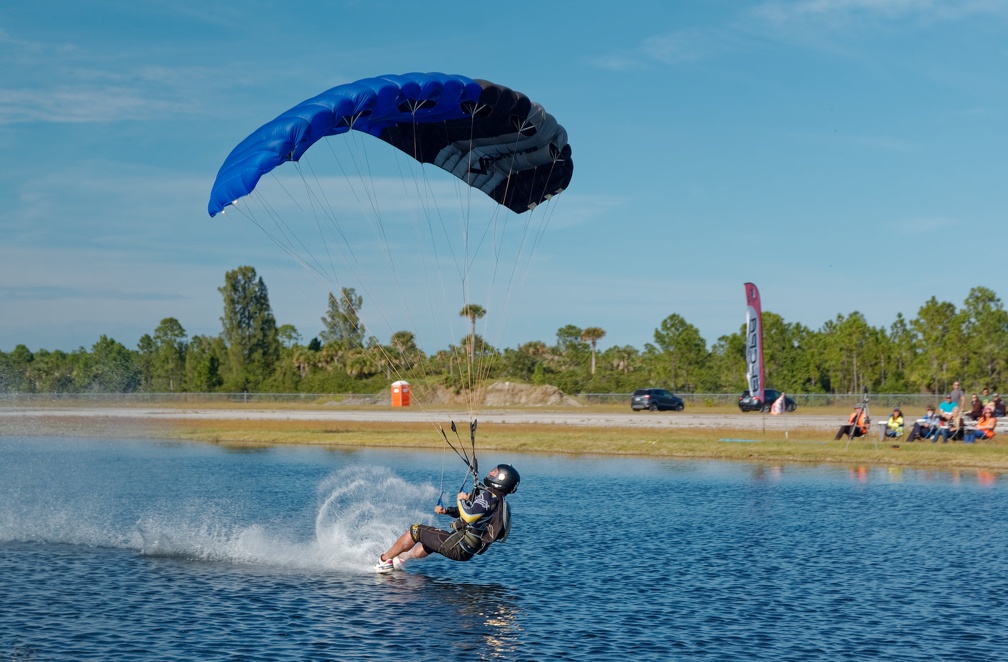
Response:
column 449, row 510
column 471, row 509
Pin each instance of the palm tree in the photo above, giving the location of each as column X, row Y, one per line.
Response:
column 592, row 335
column 473, row 311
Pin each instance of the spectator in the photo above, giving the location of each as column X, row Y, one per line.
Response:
column 950, row 427
column 985, row 396
column 958, row 395
column 940, row 431
column 925, row 427
column 976, row 407
column 857, row 424
column 894, row 426
column 946, row 407
column 999, row 405
column 984, row 427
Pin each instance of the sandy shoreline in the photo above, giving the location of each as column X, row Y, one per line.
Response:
column 650, row 420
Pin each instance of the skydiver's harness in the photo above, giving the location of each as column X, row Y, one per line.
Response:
column 474, row 537
column 477, row 536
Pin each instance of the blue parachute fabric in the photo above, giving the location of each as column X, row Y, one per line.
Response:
column 489, row 136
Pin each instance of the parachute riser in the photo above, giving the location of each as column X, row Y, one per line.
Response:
column 471, row 462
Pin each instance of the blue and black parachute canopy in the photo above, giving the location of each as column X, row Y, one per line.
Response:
column 491, row 137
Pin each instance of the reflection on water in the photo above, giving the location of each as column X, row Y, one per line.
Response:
column 147, row 550
column 895, row 474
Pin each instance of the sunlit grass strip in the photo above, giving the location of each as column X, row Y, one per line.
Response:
column 800, row 446
column 804, row 446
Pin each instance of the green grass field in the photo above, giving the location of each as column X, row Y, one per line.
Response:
column 802, row 445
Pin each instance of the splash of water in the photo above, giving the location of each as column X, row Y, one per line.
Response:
column 361, row 510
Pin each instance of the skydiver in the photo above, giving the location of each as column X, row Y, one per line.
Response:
column 482, row 517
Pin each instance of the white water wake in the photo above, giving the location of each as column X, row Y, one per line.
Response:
column 360, row 511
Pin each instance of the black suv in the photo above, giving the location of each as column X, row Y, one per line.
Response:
column 655, row 399
column 747, row 402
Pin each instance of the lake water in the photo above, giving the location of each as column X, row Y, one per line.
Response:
column 150, row 550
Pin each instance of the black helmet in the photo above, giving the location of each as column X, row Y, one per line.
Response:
column 503, row 478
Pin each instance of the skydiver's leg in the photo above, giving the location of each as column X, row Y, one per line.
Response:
column 415, row 552
column 403, row 544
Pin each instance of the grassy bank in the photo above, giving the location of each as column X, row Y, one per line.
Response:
column 799, row 446
column 727, row 444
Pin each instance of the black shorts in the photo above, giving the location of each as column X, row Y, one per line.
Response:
column 446, row 543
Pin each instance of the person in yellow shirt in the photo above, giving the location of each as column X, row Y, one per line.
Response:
column 894, row 426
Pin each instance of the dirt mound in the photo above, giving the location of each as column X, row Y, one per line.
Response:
column 500, row 394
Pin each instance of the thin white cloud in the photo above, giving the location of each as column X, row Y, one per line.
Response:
column 814, row 24
column 684, row 45
column 50, row 81
column 925, row 227
column 620, row 62
column 84, row 104
column 833, row 14
column 668, row 48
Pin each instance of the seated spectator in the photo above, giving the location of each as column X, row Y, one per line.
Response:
column 984, row 428
column 950, row 427
column 985, row 396
column 940, row 431
column 894, row 426
column 976, row 407
column 946, row 407
column 857, row 424
column 925, row 427
column 999, row 405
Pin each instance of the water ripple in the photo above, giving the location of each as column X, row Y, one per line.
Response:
column 140, row 551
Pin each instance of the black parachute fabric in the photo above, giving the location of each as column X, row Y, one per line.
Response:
column 491, row 137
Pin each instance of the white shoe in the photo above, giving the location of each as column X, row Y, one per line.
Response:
column 398, row 563
column 384, row 566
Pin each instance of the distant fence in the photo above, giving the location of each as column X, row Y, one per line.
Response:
column 912, row 402
column 194, row 398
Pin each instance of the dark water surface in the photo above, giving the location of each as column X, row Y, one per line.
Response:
column 147, row 550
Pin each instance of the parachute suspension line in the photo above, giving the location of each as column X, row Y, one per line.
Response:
column 478, row 361
column 475, row 462
column 351, row 261
column 443, row 451
column 321, row 208
column 486, row 361
column 318, row 208
column 467, row 257
column 283, row 239
column 368, row 188
column 548, row 208
column 366, row 182
column 425, row 199
column 471, row 463
column 533, row 235
column 280, row 237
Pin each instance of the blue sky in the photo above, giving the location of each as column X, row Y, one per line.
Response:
column 842, row 154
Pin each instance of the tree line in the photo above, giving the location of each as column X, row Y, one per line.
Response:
column 253, row 353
